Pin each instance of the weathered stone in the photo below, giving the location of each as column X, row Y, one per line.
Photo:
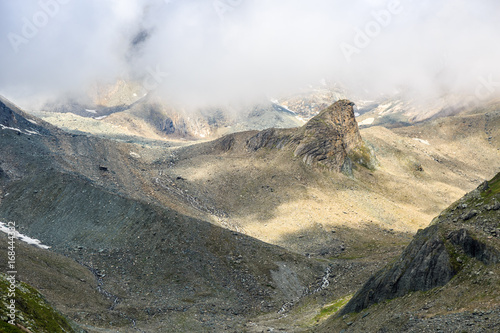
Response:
column 13, row 117
column 325, row 140
column 474, row 248
column 483, row 186
column 425, row 264
column 469, row 215
column 225, row 143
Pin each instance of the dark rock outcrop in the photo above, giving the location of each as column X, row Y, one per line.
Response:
column 437, row 253
column 167, row 126
column 425, row 264
column 474, row 248
column 271, row 138
column 225, row 143
column 326, row 140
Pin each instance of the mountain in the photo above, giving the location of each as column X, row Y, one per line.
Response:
column 156, row 268
column 253, row 231
column 312, row 100
column 452, row 266
column 14, row 119
column 399, row 108
column 125, row 110
column 153, row 118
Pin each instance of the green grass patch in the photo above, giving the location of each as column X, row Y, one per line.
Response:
column 363, row 156
column 454, row 255
column 331, row 309
column 494, row 187
column 8, row 328
column 32, row 311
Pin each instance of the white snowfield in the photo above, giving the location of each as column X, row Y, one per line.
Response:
column 4, row 228
column 367, row 121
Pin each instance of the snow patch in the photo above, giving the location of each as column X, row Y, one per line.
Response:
column 134, row 155
column 425, row 142
column 91, row 111
column 29, row 132
column 10, row 128
column 23, row 238
column 367, row 121
column 301, row 119
column 276, row 102
column 99, row 118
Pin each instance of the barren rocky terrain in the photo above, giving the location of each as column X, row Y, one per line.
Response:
column 445, row 280
column 244, row 233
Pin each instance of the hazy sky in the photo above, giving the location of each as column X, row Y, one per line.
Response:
column 213, row 51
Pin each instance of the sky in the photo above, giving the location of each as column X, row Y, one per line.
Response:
column 215, row 51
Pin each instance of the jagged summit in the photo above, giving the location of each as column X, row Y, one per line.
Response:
column 340, row 117
column 326, row 140
column 329, row 137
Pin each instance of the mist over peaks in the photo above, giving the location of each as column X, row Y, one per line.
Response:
column 207, row 52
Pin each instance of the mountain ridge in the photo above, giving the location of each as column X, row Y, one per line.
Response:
column 135, row 247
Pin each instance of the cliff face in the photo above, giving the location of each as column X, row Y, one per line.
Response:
column 330, row 136
column 326, row 140
column 468, row 230
column 424, row 264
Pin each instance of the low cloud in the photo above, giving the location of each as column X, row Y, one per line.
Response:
column 218, row 51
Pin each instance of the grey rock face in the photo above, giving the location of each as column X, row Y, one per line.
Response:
column 270, row 138
column 469, row 215
column 425, row 264
column 225, row 143
column 437, row 253
column 474, row 248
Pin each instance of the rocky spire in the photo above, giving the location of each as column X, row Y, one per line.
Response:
column 326, row 140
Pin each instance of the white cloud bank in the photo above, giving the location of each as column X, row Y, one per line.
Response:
column 210, row 51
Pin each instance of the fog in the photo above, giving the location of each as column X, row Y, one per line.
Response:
column 218, row 51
